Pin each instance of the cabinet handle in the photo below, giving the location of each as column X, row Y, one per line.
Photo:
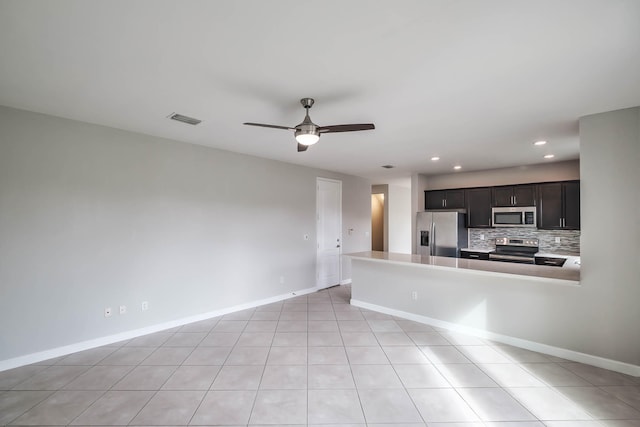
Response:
column 515, row 200
column 560, row 222
column 474, row 256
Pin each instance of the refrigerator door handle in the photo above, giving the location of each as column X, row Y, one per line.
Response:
column 432, row 247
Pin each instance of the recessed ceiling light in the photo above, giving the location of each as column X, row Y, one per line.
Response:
column 435, row 158
column 539, row 142
column 388, row 166
column 457, row 167
column 549, row 156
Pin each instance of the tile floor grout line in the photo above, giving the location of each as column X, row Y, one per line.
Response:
column 364, row 415
column 30, row 408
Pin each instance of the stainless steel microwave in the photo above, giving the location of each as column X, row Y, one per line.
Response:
column 514, row 217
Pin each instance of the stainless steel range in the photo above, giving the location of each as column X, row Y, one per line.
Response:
column 515, row 250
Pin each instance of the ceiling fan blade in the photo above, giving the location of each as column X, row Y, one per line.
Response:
column 269, row 126
column 346, row 128
column 302, row 147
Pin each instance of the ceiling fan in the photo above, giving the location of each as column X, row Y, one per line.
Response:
column 308, row 133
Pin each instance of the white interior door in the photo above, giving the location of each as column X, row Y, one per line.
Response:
column 329, row 232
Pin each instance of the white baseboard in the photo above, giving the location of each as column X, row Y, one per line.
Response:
column 575, row 356
column 127, row 335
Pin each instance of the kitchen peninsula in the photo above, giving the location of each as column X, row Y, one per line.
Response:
column 517, row 304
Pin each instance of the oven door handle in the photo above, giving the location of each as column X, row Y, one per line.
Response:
column 510, row 257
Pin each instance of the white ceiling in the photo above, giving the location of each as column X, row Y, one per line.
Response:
column 474, row 82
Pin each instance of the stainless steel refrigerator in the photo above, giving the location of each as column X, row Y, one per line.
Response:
column 441, row 233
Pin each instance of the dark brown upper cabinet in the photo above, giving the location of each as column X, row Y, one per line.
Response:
column 444, row 199
column 478, row 204
column 559, row 205
column 514, row 195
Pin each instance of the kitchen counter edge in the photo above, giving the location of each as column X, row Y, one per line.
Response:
column 536, row 272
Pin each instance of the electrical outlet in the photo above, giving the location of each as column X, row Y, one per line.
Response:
column 557, row 240
column 414, row 296
column 107, row 312
column 482, row 237
column 123, row 309
column 144, row 306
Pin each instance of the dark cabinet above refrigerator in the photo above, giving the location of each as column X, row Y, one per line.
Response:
column 444, row 199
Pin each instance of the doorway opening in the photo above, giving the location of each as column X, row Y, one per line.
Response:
column 377, row 222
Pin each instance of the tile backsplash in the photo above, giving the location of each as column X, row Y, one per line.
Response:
column 569, row 239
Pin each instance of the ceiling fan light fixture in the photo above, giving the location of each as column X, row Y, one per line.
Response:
column 307, row 137
column 308, row 133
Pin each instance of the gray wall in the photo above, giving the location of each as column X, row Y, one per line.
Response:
column 610, row 241
column 399, row 203
column 600, row 317
column 92, row 217
column 544, row 172
column 418, row 186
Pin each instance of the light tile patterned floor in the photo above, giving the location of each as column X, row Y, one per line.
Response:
column 315, row 360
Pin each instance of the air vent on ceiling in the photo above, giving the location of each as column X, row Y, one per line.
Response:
column 184, row 119
column 388, row 166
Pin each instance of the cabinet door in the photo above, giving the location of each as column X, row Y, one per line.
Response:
column 524, row 195
column 550, row 206
column 454, row 199
column 572, row 205
column 478, row 207
column 502, row 196
column 434, row 199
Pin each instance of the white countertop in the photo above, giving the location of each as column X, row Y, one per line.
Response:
column 531, row 270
